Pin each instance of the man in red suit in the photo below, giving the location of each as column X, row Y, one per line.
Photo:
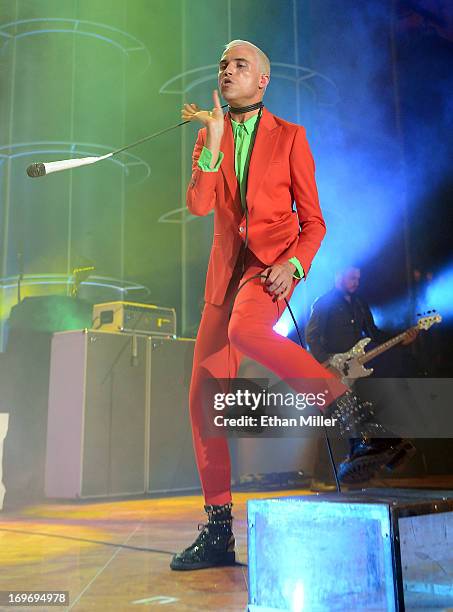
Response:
column 249, row 166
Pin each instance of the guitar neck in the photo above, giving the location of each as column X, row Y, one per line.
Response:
column 385, row 346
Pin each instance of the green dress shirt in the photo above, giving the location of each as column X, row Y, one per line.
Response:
column 242, row 134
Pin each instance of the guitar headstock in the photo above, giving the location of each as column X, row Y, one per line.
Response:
column 427, row 322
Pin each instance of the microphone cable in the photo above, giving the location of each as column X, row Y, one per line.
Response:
column 326, row 435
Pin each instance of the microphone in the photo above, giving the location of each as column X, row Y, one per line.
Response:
column 42, row 169
column 35, row 170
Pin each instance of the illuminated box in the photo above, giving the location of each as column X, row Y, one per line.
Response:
column 367, row 550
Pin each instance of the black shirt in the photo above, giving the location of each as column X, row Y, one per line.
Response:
column 336, row 324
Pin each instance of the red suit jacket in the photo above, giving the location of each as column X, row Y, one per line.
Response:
column 281, row 171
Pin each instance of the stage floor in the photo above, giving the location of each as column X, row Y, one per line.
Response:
column 115, row 555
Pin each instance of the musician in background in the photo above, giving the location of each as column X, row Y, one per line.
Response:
column 340, row 318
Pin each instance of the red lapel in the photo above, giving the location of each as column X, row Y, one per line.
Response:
column 266, row 140
column 265, row 143
column 227, row 165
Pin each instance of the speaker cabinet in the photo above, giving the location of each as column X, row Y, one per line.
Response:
column 96, row 434
column 171, row 457
column 118, row 418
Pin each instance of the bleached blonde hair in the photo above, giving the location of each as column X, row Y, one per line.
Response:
column 265, row 64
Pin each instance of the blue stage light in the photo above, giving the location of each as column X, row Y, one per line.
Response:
column 432, row 294
column 439, row 293
column 282, row 327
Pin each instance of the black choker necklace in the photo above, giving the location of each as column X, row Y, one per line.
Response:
column 245, row 109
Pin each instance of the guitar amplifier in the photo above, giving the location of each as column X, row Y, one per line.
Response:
column 118, row 419
column 135, row 318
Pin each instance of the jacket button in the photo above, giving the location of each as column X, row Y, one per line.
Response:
column 241, row 229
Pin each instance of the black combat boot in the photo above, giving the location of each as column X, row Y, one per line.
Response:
column 215, row 544
column 368, row 453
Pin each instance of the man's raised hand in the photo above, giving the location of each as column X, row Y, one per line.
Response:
column 213, row 120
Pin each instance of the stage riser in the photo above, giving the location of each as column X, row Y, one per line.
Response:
column 350, row 552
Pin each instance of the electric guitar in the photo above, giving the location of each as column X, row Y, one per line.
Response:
column 350, row 365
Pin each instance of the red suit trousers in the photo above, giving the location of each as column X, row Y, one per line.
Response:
column 221, row 343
